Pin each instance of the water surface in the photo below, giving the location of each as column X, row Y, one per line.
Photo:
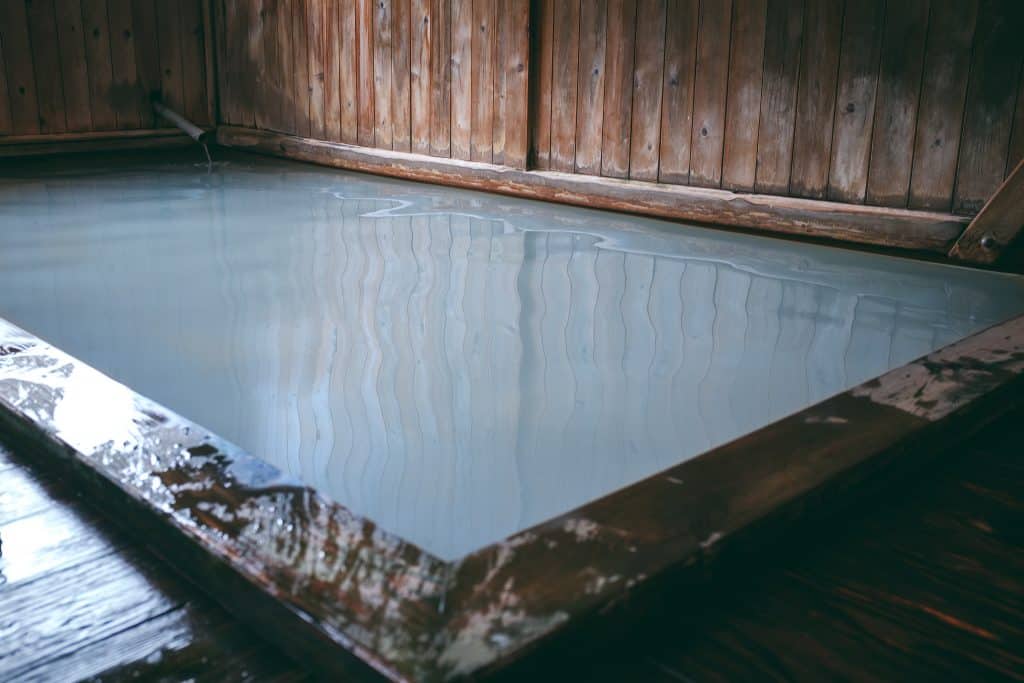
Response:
column 454, row 365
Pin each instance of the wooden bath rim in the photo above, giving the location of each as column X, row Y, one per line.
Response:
column 348, row 598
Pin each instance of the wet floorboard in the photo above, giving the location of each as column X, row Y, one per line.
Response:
column 79, row 599
column 921, row 582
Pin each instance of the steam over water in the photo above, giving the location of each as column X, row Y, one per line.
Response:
column 453, row 365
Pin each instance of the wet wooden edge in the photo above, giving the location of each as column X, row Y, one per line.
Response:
column 347, row 598
column 895, row 228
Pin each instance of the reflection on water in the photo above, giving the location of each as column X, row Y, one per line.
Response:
column 452, row 365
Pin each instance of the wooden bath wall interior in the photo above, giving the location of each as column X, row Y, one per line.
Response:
column 348, row 596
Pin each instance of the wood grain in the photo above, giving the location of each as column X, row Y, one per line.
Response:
column 42, row 32
column 991, row 97
column 193, row 61
column 383, row 69
column 899, row 90
column 332, row 48
column 6, row 125
column 677, row 100
column 482, row 80
column 147, row 58
column 462, row 78
column 401, row 51
column 516, row 69
column 295, row 70
column 855, row 101
column 648, row 64
column 709, row 93
column 565, row 55
column 172, row 87
column 73, row 66
column 441, row 78
column 500, row 84
column 420, row 74
column 317, row 30
column 542, row 45
column 97, row 56
column 943, row 95
column 743, row 100
column 784, row 34
column 348, row 79
column 590, row 104
column 20, row 75
column 127, row 97
column 815, row 107
column 997, row 226
column 365, row 61
column 618, row 89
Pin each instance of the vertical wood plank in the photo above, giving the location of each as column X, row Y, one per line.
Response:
column 441, row 79
column 816, row 98
column 711, row 81
column 252, row 62
column 516, row 84
column 991, row 98
column 193, row 63
column 331, row 42
column 348, row 79
column 124, row 94
column 542, row 43
column 209, row 59
column 590, row 107
column 6, row 124
column 226, row 42
column 168, row 24
column 364, row 36
column 74, row 67
column 400, row 53
column 42, row 29
column 648, row 73
column 482, row 80
column 256, row 55
column 1017, row 136
column 499, row 56
column 855, row 102
column 296, row 74
column 147, row 58
column 943, row 95
column 21, row 80
column 778, row 95
column 462, row 78
column 899, row 90
column 383, row 132
column 743, row 101
column 292, row 100
column 419, row 74
column 677, row 101
column 316, row 34
column 618, row 88
column 315, row 37
column 97, row 56
column 563, row 103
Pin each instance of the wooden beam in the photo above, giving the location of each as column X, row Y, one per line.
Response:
column 62, row 143
column 899, row 228
column 998, row 223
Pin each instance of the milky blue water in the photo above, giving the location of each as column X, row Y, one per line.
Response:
column 454, row 365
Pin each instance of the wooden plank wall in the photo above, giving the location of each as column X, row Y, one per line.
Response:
column 441, row 77
column 79, row 66
column 914, row 104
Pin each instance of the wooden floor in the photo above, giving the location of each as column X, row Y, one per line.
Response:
column 922, row 582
